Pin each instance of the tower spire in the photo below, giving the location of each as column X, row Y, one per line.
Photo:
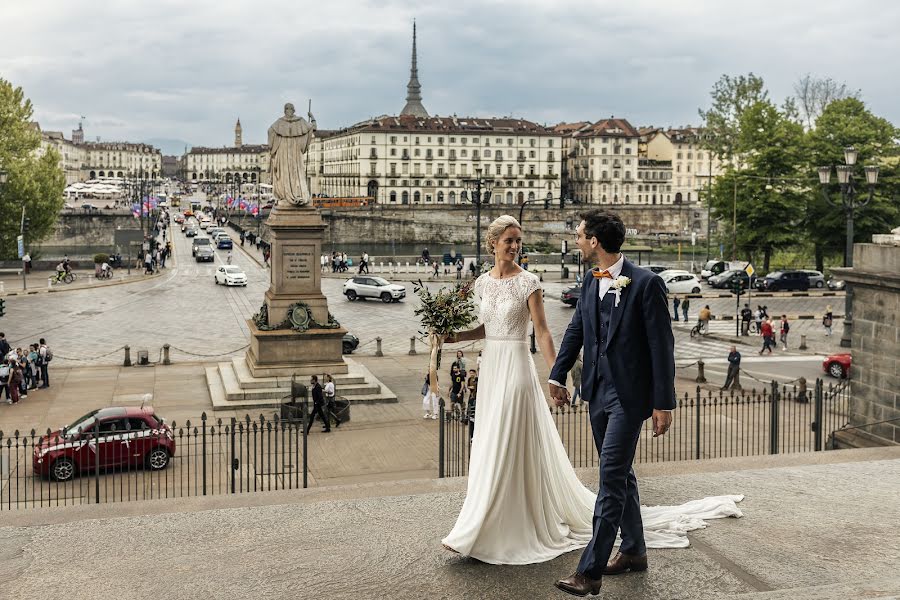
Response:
column 238, row 141
column 414, row 88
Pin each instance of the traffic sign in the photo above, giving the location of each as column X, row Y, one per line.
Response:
column 749, row 270
column 20, row 242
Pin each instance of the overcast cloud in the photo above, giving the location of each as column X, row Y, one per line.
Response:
column 140, row 70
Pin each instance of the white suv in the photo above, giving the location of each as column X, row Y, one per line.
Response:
column 365, row 286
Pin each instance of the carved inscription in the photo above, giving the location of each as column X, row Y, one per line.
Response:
column 298, row 264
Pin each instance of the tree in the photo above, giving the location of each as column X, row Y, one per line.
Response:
column 813, row 94
column 35, row 180
column 847, row 122
column 731, row 97
column 766, row 194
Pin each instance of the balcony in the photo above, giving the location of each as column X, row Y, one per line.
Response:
column 476, row 158
column 532, row 176
column 404, row 157
column 452, row 157
column 520, row 158
column 429, row 157
column 373, row 156
column 552, row 176
column 442, row 175
column 498, row 157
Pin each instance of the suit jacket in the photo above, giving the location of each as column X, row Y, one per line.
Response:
column 640, row 346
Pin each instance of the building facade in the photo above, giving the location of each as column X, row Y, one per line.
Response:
column 427, row 160
column 247, row 163
column 693, row 167
column 603, row 162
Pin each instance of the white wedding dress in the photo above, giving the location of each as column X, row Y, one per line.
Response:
column 524, row 504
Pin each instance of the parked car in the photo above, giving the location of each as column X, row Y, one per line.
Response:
column 780, row 281
column 198, row 241
column 230, row 275
column 373, row 287
column 724, row 280
column 223, row 241
column 680, row 282
column 105, row 438
column 835, row 284
column 349, row 343
column 205, row 253
column 816, row 278
column 713, row 267
column 571, row 296
column 656, row 268
column 837, row 365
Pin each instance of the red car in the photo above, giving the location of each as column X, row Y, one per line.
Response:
column 116, row 437
column 837, row 365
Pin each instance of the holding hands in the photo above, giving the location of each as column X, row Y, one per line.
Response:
column 559, row 394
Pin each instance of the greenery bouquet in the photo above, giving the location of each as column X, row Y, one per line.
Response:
column 442, row 314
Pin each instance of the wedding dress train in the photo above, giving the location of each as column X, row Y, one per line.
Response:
column 524, row 504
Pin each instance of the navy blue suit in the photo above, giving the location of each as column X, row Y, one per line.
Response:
column 629, row 370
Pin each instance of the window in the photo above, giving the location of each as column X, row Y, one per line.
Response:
column 453, row 140
column 405, row 196
column 550, row 144
column 462, row 141
column 440, row 152
column 417, row 140
column 628, row 150
column 373, row 139
column 416, row 196
column 487, row 153
column 440, row 197
column 498, row 170
column 417, row 152
column 440, row 141
column 603, row 150
column 393, row 196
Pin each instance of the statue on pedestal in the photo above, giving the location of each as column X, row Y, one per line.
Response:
column 289, row 138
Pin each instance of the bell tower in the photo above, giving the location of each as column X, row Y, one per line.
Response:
column 238, row 142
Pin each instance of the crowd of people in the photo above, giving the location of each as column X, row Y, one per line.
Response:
column 23, row 369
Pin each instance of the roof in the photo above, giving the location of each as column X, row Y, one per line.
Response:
column 119, row 146
column 454, row 124
column 610, row 127
column 244, row 149
column 569, row 128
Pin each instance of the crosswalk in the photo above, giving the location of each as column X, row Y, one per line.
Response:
column 689, row 350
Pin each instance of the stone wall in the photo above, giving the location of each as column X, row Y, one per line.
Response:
column 455, row 224
column 80, row 234
column 874, row 282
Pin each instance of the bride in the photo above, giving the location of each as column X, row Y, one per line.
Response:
column 524, row 504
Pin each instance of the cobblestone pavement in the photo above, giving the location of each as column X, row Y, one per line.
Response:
column 200, row 320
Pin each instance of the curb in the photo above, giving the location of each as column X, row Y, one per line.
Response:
column 86, row 287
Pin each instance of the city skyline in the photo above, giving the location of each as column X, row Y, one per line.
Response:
column 186, row 73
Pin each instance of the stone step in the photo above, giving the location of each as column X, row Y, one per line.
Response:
column 247, row 381
column 215, row 386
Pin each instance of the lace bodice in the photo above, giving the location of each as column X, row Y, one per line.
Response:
column 504, row 304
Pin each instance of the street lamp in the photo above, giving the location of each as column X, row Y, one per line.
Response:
column 475, row 186
column 848, row 201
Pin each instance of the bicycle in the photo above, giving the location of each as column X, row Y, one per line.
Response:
column 105, row 274
column 64, row 277
column 695, row 330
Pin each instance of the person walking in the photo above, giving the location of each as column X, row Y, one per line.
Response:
column 430, row 400
column 365, row 262
column 758, row 318
column 768, row 336
column 455, row 391
column 4, row 345
column 436, row 267
column 5, row 379
column 15, row 381
column 45, row 355
column 704, row 317
column 472, row 385
column 459, row 269
column 827, row 320
column 228, row 258
column 685, row 305
column 785, row 329
column 318, row 405
column 460, row 362
column 576, row 380
column 675, row 304
column 330, row 400
column 746, row 315
column 734, row 365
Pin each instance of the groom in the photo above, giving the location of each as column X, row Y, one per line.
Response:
column 622, row 323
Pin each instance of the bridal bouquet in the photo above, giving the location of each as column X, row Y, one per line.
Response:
column 443, row 313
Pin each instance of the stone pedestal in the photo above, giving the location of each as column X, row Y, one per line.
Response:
column 295, row 276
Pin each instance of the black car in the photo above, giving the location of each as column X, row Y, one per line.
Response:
column 780, row 281
column 724, row 280
column 205, row 254
column 349, row 343
column 571, row 295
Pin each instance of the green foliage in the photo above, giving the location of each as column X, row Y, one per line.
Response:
column 446, row 311
column 35, row 180
column 731, row 97
column 99, row 259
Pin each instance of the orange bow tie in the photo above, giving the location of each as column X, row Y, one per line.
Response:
column 602, row 274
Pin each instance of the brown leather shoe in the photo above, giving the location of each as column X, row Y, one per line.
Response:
column 579, row 584
column 623, row 563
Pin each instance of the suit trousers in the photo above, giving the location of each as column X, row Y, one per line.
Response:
column 618, row 503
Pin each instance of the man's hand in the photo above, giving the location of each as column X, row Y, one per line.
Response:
column 560, row 395
column 662, row 420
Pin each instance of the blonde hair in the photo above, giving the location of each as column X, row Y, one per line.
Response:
column 495, row 230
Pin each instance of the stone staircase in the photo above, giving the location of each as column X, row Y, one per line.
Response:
column 232, row 387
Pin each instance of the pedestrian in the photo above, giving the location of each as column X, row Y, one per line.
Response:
column 34, row 372
column 148, row 263
column 455, row 391
column 45, row 355
column 758, row 318
column 429, row 400
column 323, row 260
column 460, row 361
column 746, row 315
column 675, row 304
column 26, row 263
column 478, row 362
column 330, row 398
column 243, row 237
column 13, row 392
column 705, row 316
column 785, row 329
column 459, row 269
column 685, row 305
column 266, row 255
column 365, row 261
column 436, row 267
column 4, row 345
column 5, row 378
column 524, row 263
column 472, row 385
column 827, row 320
column 734, row 365
column 318, row 405
column 228, row 257
column 768, row 335
column 576, row 379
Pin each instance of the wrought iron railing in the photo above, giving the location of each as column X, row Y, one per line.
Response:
column 774, row 420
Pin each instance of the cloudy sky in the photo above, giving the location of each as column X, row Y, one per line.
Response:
column 169, row 69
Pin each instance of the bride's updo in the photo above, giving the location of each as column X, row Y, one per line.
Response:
column 495, row 230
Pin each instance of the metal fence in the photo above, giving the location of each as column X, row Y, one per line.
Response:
column 774, row 420
column 196, row 459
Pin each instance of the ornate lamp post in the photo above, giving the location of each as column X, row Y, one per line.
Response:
column 477, row 197
column 848, row 202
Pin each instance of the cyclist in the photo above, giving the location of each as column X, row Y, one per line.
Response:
column 105, row 270
column 60, row 272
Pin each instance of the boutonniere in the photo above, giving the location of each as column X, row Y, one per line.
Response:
column 620, row 283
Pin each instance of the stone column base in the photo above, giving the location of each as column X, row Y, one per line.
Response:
column 285, row 352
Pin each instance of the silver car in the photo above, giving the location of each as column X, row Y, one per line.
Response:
column 816, row 279
column 367, row 286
